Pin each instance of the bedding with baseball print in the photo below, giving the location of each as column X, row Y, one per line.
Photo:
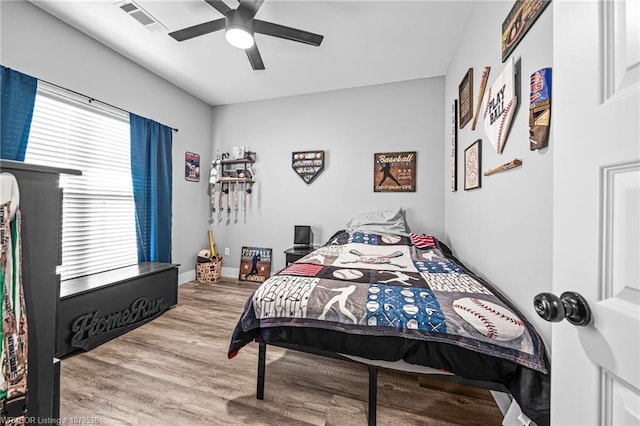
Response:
column 393, row 297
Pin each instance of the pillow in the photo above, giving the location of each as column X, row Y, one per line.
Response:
column 379, row 222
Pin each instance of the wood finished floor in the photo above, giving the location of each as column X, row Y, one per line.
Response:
column 174, row 371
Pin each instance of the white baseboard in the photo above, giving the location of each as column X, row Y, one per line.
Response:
column 503, row 401
column 190, row 275
column 187, row 276
column 512, row 415
column 229, row 272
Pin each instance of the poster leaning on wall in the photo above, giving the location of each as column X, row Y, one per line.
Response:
column 255, row 264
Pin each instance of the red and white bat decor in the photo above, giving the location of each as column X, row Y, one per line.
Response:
column 499, row 106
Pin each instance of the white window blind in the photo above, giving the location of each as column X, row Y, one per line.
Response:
column 98, row 223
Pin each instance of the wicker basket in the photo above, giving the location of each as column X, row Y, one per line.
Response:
column 209, row 272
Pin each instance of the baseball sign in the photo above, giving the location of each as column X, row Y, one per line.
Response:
column 499, row 107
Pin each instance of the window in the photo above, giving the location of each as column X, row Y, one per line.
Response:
column 98, row 222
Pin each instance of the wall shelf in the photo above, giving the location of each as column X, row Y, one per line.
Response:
column 231, row 161
column 229, row 178
column 236, row 180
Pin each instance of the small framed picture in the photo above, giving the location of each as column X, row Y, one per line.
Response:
column 238, row 152
column 191, row 167
column 472, row 166
column 465, row 98
column 394, row 172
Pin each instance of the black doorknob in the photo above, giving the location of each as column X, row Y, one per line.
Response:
column 569, row 305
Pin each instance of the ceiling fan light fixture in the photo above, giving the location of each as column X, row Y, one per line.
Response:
column 239, row 37
column 239, row 29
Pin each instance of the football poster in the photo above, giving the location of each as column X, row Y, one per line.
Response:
column 255, row 264
column 394, row 172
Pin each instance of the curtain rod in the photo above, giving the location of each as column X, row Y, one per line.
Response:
column 93, row 99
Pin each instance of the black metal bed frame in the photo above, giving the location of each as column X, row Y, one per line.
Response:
column 373, row 375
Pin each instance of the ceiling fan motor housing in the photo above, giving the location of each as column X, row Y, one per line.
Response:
column 237, row 19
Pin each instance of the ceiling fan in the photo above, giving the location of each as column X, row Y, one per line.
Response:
column 240, row 25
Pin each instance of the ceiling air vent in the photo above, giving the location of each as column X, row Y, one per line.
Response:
column 141, row 15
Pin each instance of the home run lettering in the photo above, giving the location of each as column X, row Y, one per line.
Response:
column 91, row 326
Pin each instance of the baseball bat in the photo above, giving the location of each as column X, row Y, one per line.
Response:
column 506, row 166
column 483, row 86
column 212, row 246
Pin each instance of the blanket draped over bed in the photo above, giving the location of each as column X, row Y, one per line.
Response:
column 393, row 297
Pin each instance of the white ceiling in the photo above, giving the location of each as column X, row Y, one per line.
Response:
column 365, row 43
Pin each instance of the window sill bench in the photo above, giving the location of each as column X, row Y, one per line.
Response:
column 97, row 308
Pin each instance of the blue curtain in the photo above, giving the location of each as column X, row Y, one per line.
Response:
column 151, row 171
column 18, row 95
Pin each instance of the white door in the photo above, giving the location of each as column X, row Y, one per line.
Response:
column 596, row 219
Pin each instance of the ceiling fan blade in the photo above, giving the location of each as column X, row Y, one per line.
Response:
column 254, row 57
column 219, row 5
column 287, row 33
column 198, row 30
column 250, row 7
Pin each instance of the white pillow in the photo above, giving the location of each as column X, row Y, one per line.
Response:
column 382, row 222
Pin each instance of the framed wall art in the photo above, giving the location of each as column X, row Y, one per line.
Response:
column 500, row 107
column 191, row 167
column 307, row 164
column 454, row 146
column 255, row 264
column 238, row 152
column 521, row 17
column 472, row 166
column 465, row 98
column 394, row 172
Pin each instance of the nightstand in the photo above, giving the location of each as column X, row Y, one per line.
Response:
column 295, row 253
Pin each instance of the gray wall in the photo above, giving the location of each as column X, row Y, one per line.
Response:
column 503, row 230
column 36, row 43
column 350, row 126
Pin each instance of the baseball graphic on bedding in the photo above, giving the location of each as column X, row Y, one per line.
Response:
column 492, row 320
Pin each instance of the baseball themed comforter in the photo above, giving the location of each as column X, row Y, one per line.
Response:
column 393, row 298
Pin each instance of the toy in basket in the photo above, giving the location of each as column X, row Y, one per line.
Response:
column 208, row 264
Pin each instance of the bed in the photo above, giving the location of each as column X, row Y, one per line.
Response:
column 376, row 293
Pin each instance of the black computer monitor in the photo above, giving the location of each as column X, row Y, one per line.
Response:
column 302, row 236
